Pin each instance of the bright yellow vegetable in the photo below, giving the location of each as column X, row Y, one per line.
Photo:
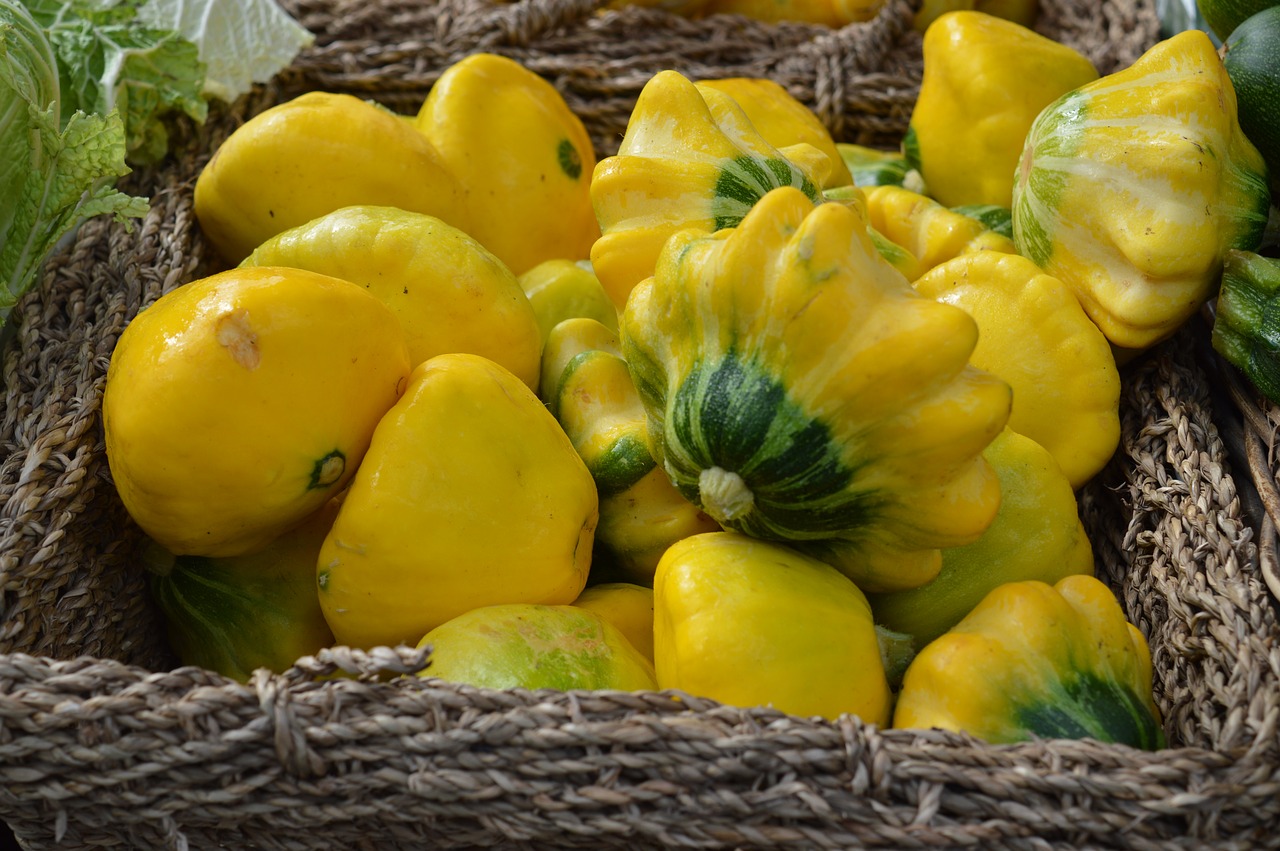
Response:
column 753, row 623
column 1033, row 659
column 628, row 607
column 641, row 512
column 831, row 13
column 567, row 340
column 522, row 157
column 564, row 289
column 238, row 404
column 449, row 292
column 782, row 119
column 985, row 80
column 797, row 388
column 310, row 156
column 1033, row 333
column 932, row 233
column 470, row 495
column 1037, row 534
column 1132, row 188
column 690, row 159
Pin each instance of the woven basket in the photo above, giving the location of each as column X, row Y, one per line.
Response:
column 106, row 743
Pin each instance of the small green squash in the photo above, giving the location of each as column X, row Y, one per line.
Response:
column 1251, row 55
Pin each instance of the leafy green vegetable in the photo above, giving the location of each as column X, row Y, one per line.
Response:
column 87, row 86
column 53, row 176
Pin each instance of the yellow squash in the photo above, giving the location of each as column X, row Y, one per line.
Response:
column 1037, row 534
column 627, row 606
column 568, row 339
column 1033, row 333
column 641, row 512
column 797, row 388
column 310, row 156
column 1132, row 188
column 782, row 119
column 753, row 623
column 985, row 80
column 449, row 292
column 1022, row 12
column 470, row 495
column 690, row 158
column 564, row 289
column 931, row 232
column 831, row 13
column 522, row 157
column 238, row 404
column 1037, row 660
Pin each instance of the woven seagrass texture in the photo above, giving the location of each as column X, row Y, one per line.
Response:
column 105, row 743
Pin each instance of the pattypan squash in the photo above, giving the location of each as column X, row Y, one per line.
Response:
column 310, row 156
column 797, row 388
column 985, row 80
column 1037, row 660
column 470, row 495
column 238, row 404
column 449, row 292
column 931, row 232
column 566, row 289
column 873, row 167
column 1037, row 534
column 1022, row 12
column 755, row 623
column 690, row 158
column 533, row 646
column 522, row 156
column 237, row 614
column 627, row 606
column 1132, row 188
column 1033, row 333
column 596, row 403
column 782, row 119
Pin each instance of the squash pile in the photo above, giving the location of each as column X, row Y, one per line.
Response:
column 739, row 411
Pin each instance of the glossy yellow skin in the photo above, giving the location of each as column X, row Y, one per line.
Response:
column 1033, row 333
column 752, row 623
column 931, row 232
column 521, row 156
column 530, row 646
column 238, row 404
column 568, row 339
column 1022, row 12
column 627, row 606
column 897, row 256
column 985, row 80
column 782, row 119
column 1037, row 534
column 564, row 289
column 597, row 405
column 1132, row 189
column 831, row 13
column 679, row 144
column 1016, row 646
column 470, row 495
column 310, row 156
column 235, row 615
column 449, row 292
column 801, row 294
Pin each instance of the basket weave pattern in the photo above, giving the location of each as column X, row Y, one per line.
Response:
column 105, row 743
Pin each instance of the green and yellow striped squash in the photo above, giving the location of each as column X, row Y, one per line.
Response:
column 690, row 158
column 797, row 388
column 641, row 512
column 1132, row 188
column 1037, row 660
